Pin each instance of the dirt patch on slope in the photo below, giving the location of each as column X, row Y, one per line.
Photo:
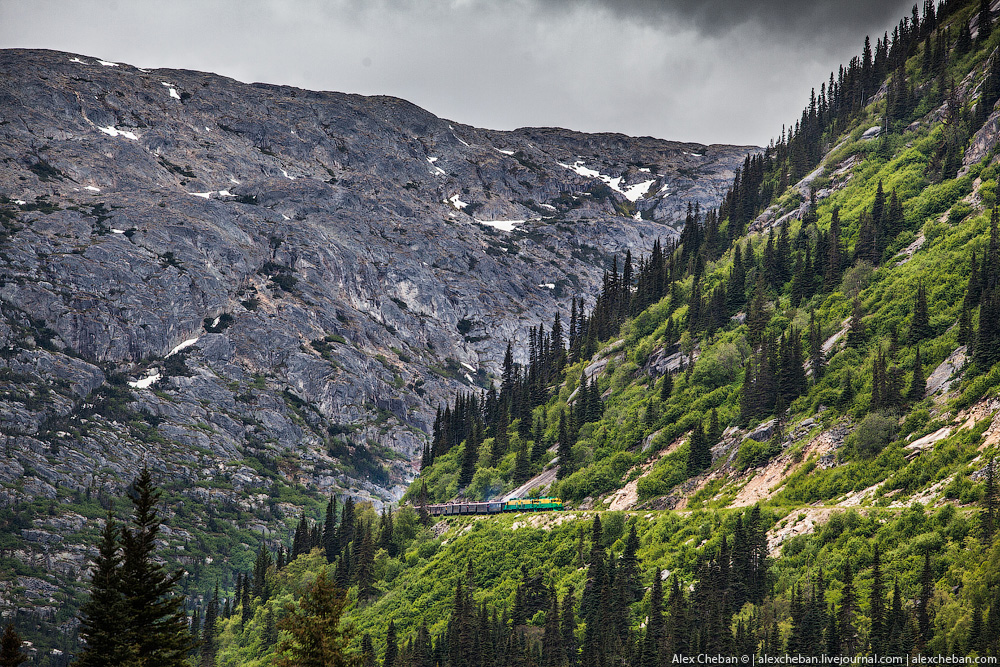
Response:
column 627, row 496
column 765, row 482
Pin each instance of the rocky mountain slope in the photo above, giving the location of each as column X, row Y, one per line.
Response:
column 250, row 286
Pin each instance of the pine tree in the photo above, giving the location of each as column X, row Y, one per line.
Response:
column 817, row 361
column 568, row 627
column 367, row 651
column 10, row 648
column 666, row 387
column 208, row 645
column 156, row 624
column 918, row 385
column 985, row 21
column 104, row 615
column 924, row 601
column 876, row 603
column 920, row 328
column 315, row 637
column 565, row 449
column 699, row 451
column 391, row 646
column 845, row 621
column 330, row 530
column 345, row 535
column 856, row 327
column 987, row 518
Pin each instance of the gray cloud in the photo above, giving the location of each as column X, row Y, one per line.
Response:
column 699, row 70
column 799, row 19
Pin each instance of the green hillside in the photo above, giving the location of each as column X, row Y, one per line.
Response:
column 818, row 332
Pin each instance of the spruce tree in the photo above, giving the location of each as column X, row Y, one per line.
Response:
column 924, row 602
column 666, row 387
column 845, row 620
column 987, row 517
column 920, row 328
column 208, row 643
column 247, row 606
column 699, row 451
column 196, row 628
column 565, row 449
column 876, row 603
column 345, row 534
column 262, row 563
column 315, row 636
column 856, row 327
column 552, row 649
column 568, row 627
column 330, row 530
column 391, row 646
column 157, row 626
column 522, row 464
column 817, row 360
column 422, row 502
column 10, row 648
column 985, row 21
column 387, row 534
column 269, row 637
column 300, row 542
column 105, row 614
column 918, row 385
column 470, row 455
column 367, row 651
column 653, row 639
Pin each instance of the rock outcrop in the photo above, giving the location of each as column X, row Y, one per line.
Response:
column 197, row 273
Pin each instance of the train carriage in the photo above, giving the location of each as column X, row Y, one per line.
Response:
column 496, row 507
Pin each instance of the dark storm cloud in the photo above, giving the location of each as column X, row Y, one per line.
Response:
column 698, row 70
column 798, row 18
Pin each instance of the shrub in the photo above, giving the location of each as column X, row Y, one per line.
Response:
column 872, row 435
column 753, row 453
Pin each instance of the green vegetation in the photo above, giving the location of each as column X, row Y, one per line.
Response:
column 799, row 348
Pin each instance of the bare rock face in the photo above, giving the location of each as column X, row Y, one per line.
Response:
column 196, row 273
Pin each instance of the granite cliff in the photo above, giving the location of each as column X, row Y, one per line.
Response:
column 215, row 278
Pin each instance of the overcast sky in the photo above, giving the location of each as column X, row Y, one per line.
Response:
column 711, row 71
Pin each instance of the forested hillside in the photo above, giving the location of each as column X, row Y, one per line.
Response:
column 821, row 347
column 774, row 433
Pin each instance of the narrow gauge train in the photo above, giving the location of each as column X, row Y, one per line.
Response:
column 496, row 506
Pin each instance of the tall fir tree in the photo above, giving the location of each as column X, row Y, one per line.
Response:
column 987, row 517
column 209, row 645
column 10, row 648
column 918, row 385
column 330, row 530
column 104, row 614
column 157, row 625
